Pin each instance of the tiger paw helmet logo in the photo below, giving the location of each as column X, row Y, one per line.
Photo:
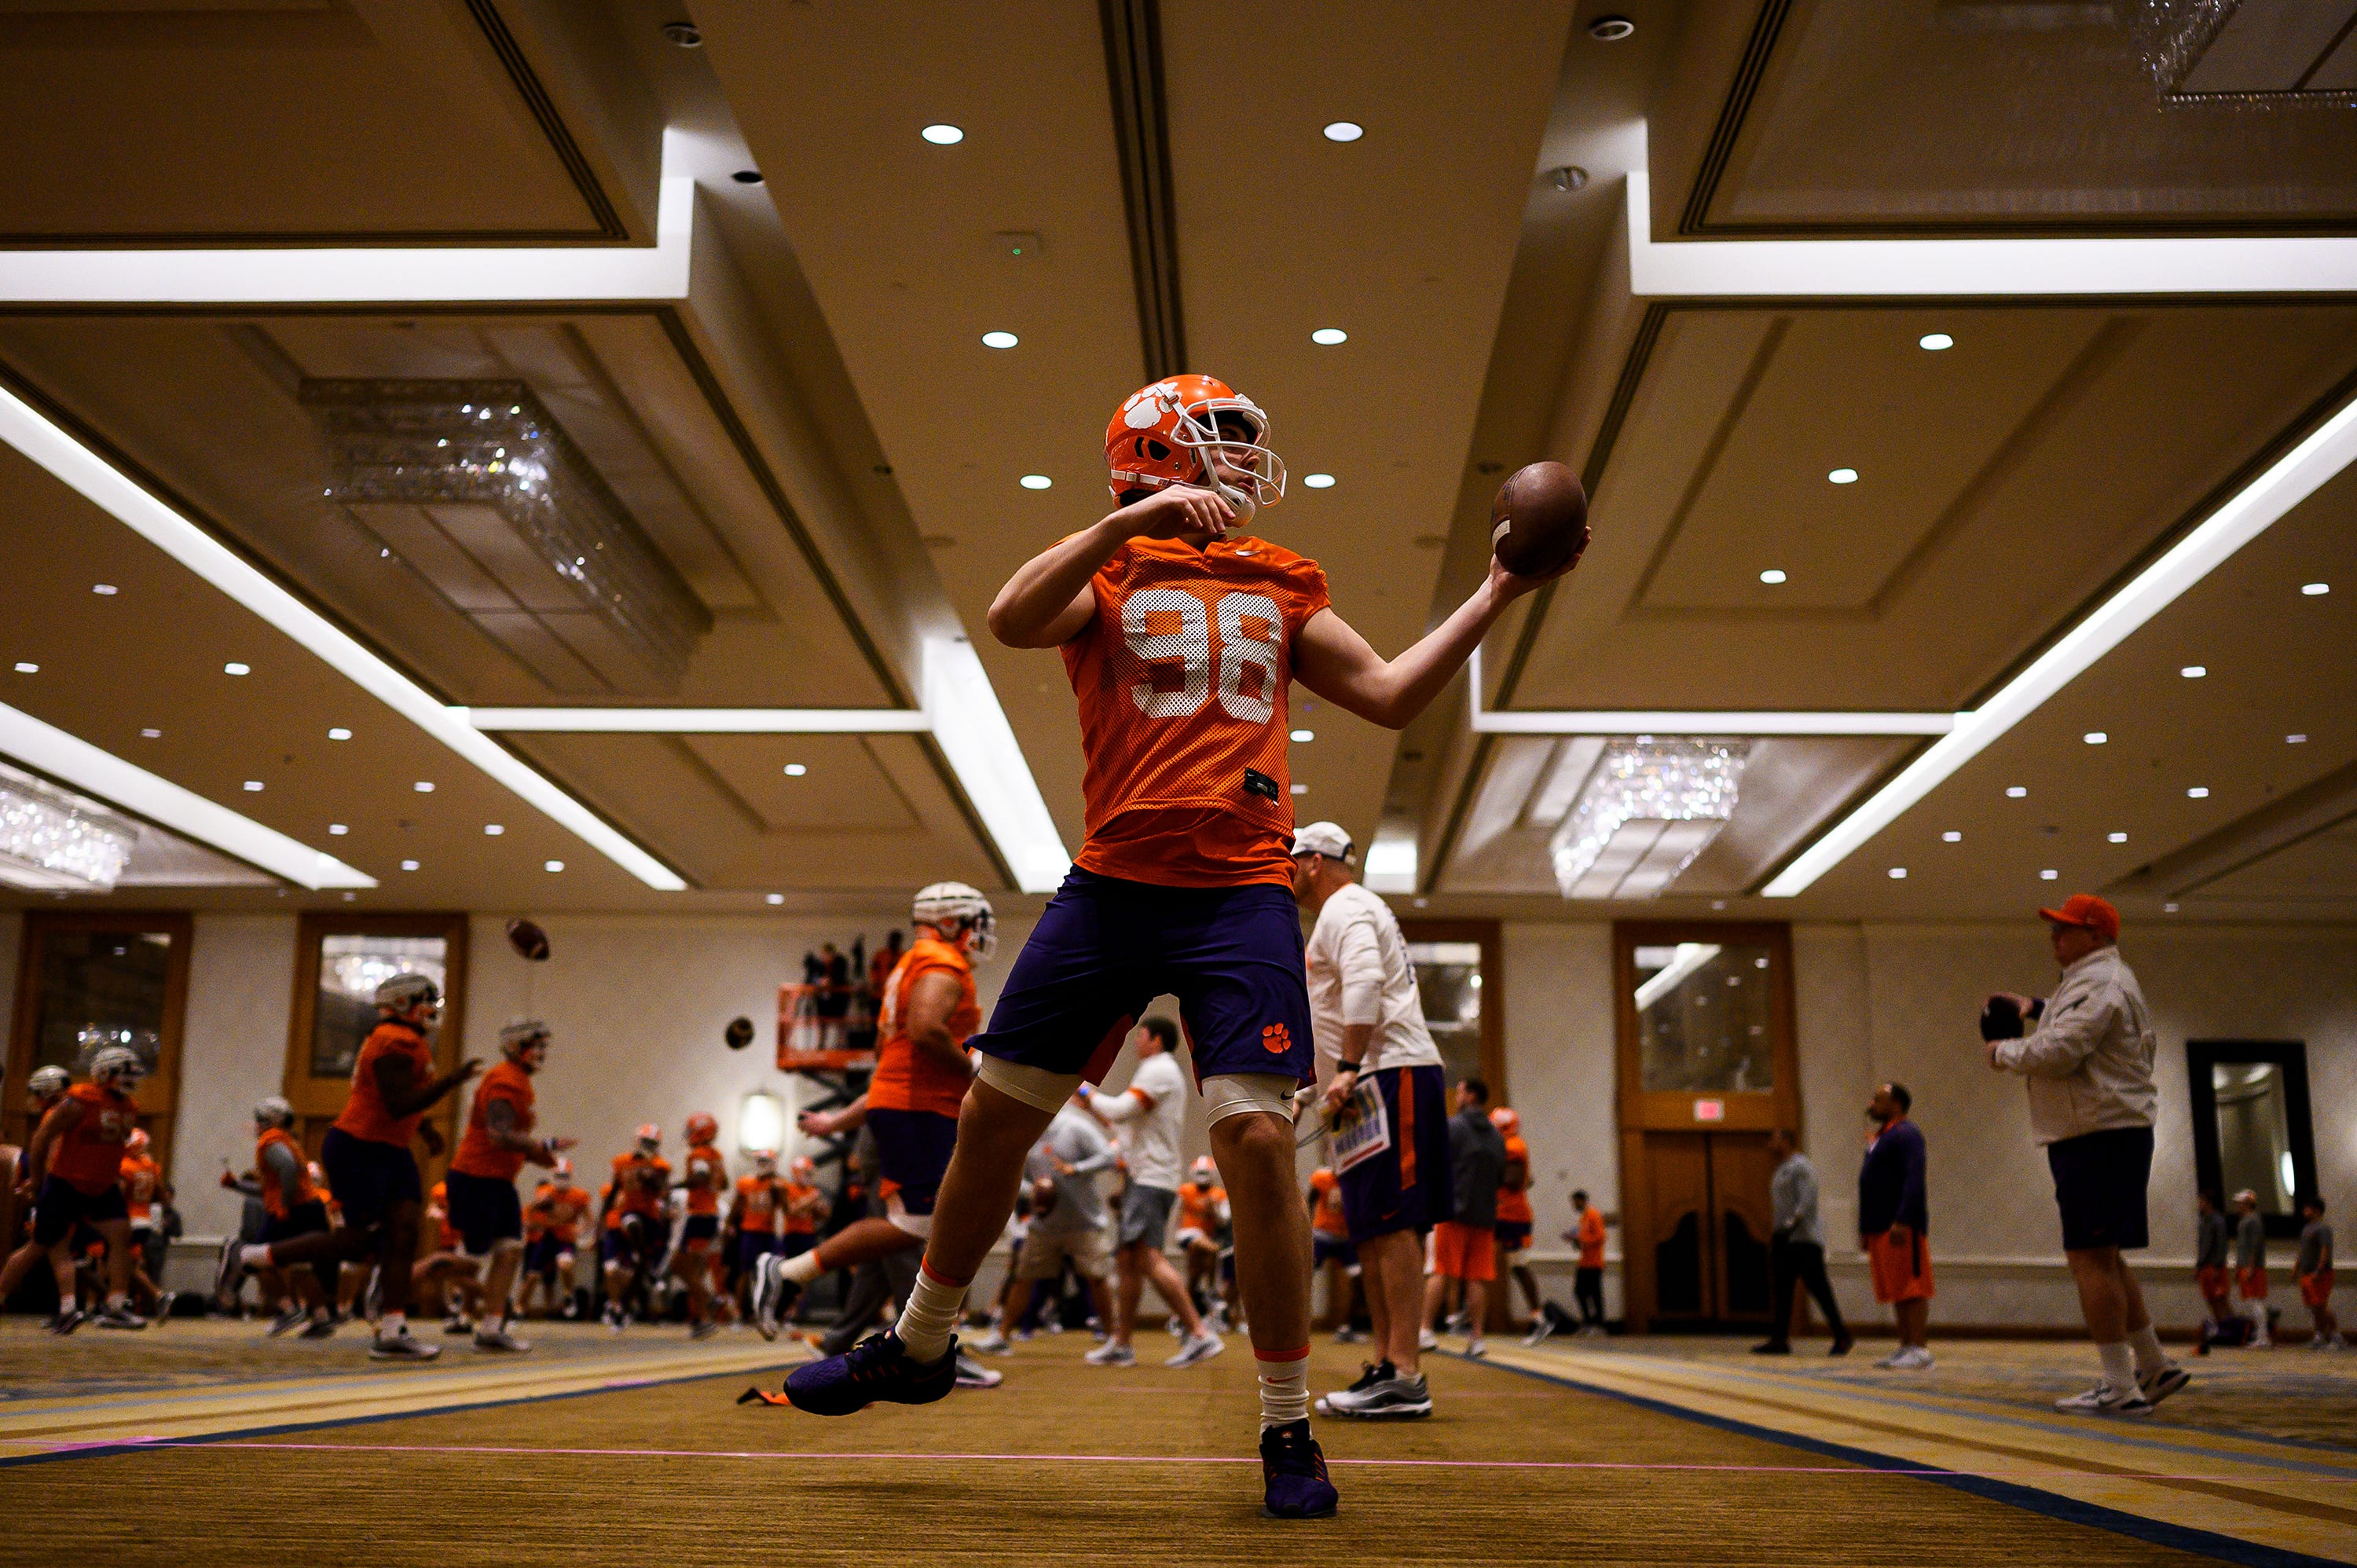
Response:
column 1276, row 1039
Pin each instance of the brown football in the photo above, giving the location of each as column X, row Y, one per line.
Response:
column 528, row 939
column 1538, row 524
column 739, row 1034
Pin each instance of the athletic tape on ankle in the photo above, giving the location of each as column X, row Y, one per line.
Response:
column 939, row 1278
column 1035, row 1086
column 1235, row 1093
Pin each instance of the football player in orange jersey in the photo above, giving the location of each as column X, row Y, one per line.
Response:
column 493, row 1150
column 637, row 1224
column 72, row 1169
column 554, row 1218
column 1516, row 1219
column 146, row 1192
column 366, row 1156
column 43, row 1089
column 1181, row 640
column 913, row 1101
column 1330, row 1249
column 707, row 1176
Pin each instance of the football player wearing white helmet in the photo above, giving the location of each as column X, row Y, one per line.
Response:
column 72, row 1169
column 370, row 1166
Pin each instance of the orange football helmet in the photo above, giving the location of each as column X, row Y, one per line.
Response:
column 702, row 1128
column 1167, row 433
column 1506, row 1121
column 650, row 1137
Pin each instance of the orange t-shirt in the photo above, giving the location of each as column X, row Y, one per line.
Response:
column 142, row 1179
column 1198, row 1207
column 437, row 1210
column 275, row 1203
column 640, row 1183
column 478, row 1155
column 364, row 1115
column 908, row 1078
column 1328, row 1215
column 804, row 1223
column 89, row 1158
column 703, row 1160
column 1183, row 677
column 1514, row 1204
column 557, row 1210
column 757, row 1201
column 1591, row 1239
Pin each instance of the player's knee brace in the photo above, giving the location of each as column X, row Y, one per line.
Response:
column 1235, row 1093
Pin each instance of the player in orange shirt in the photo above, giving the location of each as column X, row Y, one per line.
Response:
column 145, row 1193
column 294, row 1204
column 913, row 1098
column 553, row 1237
column 72, row 1170
column 1587, row 1278
column 706, row 1176
column 492, row 1152
column 367, row 1158
column 1204, row 1215
column 637, row 1223
column 1330, row 1249
column 1181, row 640
column 1516, row 1218
column 43, row 1089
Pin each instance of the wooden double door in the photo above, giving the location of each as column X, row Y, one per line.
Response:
column 1707, row 1227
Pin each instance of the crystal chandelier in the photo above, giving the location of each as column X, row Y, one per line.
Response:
column 57, row 843
column 1648, row 807
column 453, row 448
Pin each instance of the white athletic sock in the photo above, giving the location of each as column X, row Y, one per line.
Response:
column 393, row 1324
column 2150, row 1356
column 931, row 1315
column 802, row 1267
column 255, row 1255
column 120, row 1301
column 1283, row 1386
column 2119, row 1366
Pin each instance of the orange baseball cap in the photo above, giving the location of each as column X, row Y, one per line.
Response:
column 2086, row 909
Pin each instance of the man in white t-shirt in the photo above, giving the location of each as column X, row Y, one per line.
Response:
column 1369, row 1021
column 1153, row 1111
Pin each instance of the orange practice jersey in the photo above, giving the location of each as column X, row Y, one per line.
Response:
column 89, row 1158
column 798, row 1196
column 364, row 1115
column 640, row 1183
column 557, row 1210
column 276, row 1203
column 703, row 1160
column 1328, row 1215
column 143, row 1180
column 478, row 1155
column 1591, row 1239
column 1198, row 1207
column 758, row 1198
column 907, row 1077
column 1182, row 678
column 437, row 1210
column 1514, row 1204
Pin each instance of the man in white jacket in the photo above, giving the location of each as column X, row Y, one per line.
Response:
column 2088, row 1058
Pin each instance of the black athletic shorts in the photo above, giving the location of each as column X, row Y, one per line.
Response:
column 368, row 1177
column 60, row 1206
column 2099, row 1182
column 699, row 1228
column 303, row 1219
column 483, row 1210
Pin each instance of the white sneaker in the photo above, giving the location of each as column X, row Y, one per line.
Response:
column 2105, row 1399
column 1196, row 1349
column 972, row 1374
column 1907, row 1358
column 1111, row 1354
column 1425, row 1339
column 991, row 1343
column 1477, row 1348
column 499, row 1340
column 401, row 1347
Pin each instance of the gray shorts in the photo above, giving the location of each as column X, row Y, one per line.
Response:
column 1146, row 1215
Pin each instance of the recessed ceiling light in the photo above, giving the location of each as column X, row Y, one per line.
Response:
column 942, row 136
column 158, row 734
column 2169, row 908
column 2295, row 740
column 774, row 898
column 1318, row 481
column 795, row 769
column 2196, row 793
column 1935, row 341
column 237, row 668
column 105, row 590
column 1951, row 836
column 2194, row 671
column 423, row 785
column 25, row 668
column 747, row 177
column 1304, row 735
column 1344, row 131
column 2048, row 875
column 552, row 866
column 1329, row 336
column 1772, row 576
column 337, row 829
column 1843, row 475
column 2313, row 589
column 1610, row 29
column 340, row 734
column 254, row 786
column 2015, row 791
column 683, row 33
column 349, row 897
column 2094, row 738
column 408, row 865
column 493, row 829
column 1036, row 481
column 1898, row 873
column 999, row 339
column 2116, row 838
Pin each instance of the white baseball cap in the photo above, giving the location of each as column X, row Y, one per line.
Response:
column 1327, row 839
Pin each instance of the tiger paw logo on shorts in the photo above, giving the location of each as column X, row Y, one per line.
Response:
column 1276, row 1039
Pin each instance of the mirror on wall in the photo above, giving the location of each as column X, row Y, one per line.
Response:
column 1703, row 1011
column 91, row 980
column 2251, row 1123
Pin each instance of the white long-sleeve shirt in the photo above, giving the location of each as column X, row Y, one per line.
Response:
column 2090, row 1061
column 1154, row 1104
column 1359, row 973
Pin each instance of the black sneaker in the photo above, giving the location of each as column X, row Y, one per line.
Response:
column 318, row 1328
column 286, row 1322
column 1293, row 1471
column 876, row 1368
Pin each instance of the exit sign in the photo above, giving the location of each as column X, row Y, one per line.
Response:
column 1710, row 1110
